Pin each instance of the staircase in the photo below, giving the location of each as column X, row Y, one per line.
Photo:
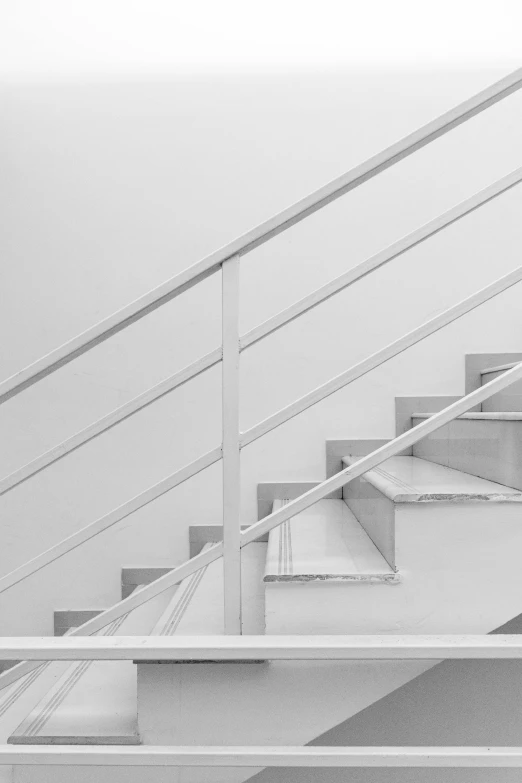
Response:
column 411, row 537
column 406, row 549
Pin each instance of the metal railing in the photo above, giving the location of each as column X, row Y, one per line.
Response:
column 265, row 648
column 232, row 344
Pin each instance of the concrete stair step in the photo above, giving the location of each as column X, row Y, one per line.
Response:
column 509, row 399
column 401, row 481
column 197, row 606
column 487, row 444
column 415, row 480
column 325, row 543
column 93, row 702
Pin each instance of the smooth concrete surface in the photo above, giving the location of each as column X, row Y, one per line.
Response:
column 455, row 703
column 509, row 399
column 487, row 445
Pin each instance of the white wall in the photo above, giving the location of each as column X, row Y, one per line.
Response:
column 110, row 186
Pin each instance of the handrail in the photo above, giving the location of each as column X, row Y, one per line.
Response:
column 356, row 647
column 407, row 242
column 108, row 520
column 426, row 329
column 375, row 458
column 258, row 333
column 109, row 421
column 259, row 235
column 318, row 394
column 263, row 756
column 303, row 502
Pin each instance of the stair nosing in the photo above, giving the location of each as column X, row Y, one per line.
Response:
column 385, row 482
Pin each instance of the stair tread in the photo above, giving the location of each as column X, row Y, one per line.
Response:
column 197, row 607
column 93, row 702
column 324, row 543
column 412, row 479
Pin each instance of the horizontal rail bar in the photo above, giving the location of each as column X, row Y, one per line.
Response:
column 110, row 420
column 125, row 606
column 259, row 756
column 381, row 258
column 260, row 332
column 268, row 648
column 260, row 234
column 108, row 520
column 381, row 454
column 380, row 357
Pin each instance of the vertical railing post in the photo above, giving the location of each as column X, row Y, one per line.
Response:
column 231, row 458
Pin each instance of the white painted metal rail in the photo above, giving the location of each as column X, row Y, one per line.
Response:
column 227, row 259
column 265, row 329
column 253, row 756
column 264, row 648
column 261, row 234
column 165, row 485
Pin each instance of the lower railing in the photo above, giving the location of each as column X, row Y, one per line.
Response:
column 265, row 648
column 253, row 756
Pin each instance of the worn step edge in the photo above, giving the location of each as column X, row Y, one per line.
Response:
column 399, row 491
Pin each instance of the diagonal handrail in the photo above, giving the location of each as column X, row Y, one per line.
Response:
column 411, row 240
column 108, row 520
column 109, row 421
column 380, row 357
column 294, row 507
column 342, row 380
column 259, row 235
column 258, row 333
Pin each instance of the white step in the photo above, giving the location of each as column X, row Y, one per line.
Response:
column 93, row 702
column 325, row 543
column 509, row 399
column 486, row 444
column 415, row 480
column 373, row 498
column 197, row 607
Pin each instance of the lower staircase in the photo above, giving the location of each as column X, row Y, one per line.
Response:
column 427, row 543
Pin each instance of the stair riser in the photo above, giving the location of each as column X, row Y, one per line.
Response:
column 509, row 399
column 376, row 514
column 406, row 406
column 485, row 448
column 459, row 568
